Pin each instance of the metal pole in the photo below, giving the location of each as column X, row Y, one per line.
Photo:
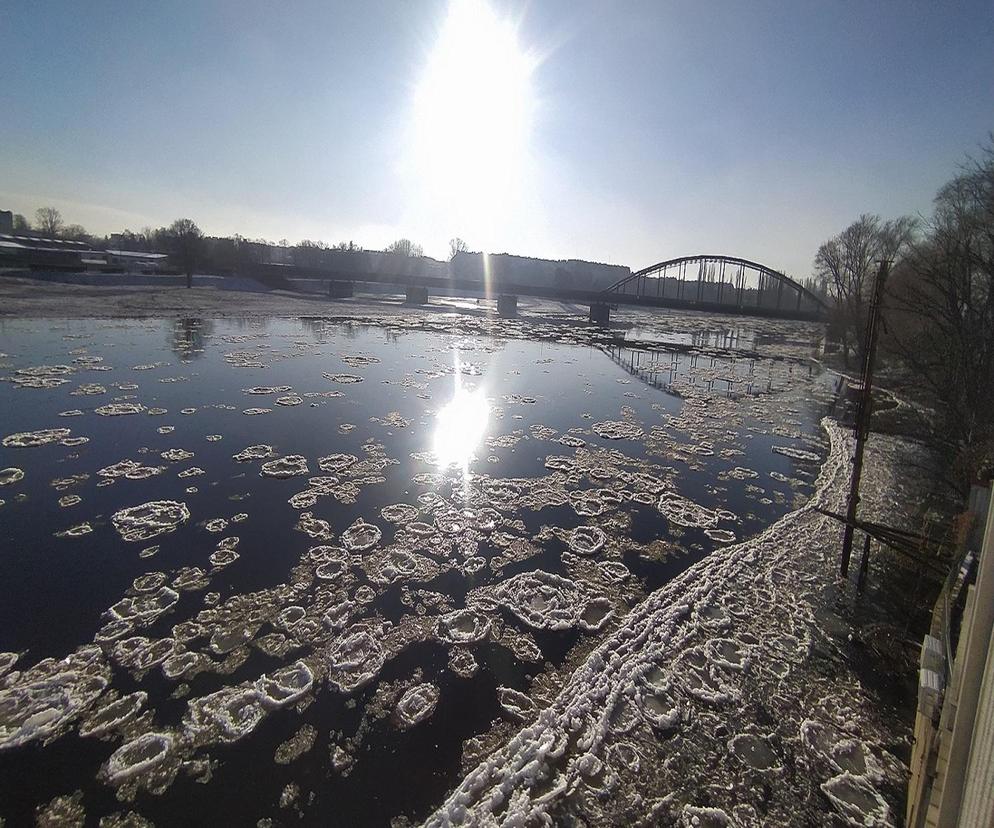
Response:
column 863, row 413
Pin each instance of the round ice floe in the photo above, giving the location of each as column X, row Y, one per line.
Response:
column 113, row 715
column 542, row 600
column 596, row 614
column 684, row 512
column 463, row 626
column 462, row 662
column 450, row 523
column 29, row 439
column 286, row 685
column 727, row 652
column 290, row 400
column 259, row 452
column 614, row 570
column 400, row 513
column 119, row 409
column 354, row 661
column 140, row 523
column 415, row 705
column 720, row 535
column 515, row 703
column 293, row 465
column 856, row 799
column 175, row 455
column 38, row 709
column 587, row 540
column 146, row 606
column 179, row 664
column 227, row 715
column 754, row 751
column 10, row 475
column 336, row 462
column 137, row 756
column 361, row 536
column 617, row 430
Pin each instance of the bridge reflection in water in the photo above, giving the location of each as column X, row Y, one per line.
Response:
column 675, row 371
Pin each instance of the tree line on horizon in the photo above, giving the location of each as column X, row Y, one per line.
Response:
column 183, row 239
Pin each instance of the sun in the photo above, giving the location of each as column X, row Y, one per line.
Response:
column 473, row 107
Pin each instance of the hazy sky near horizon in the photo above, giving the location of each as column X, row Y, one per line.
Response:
column 627, row 132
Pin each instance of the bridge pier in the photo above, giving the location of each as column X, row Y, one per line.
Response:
column 340, row 290
column 507, row 305
column 600, row 313
column 416, row 295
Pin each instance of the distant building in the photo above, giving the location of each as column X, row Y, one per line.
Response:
column 565, row 274
column 36, row 253
column 6, row 221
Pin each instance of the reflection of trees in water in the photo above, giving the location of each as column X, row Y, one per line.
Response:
column 188, row 336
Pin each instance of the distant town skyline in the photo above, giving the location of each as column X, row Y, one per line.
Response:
column 623, row 134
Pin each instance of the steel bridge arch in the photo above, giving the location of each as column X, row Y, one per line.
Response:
column 711, row 266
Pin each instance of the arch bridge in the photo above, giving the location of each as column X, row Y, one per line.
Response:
column 725, row 284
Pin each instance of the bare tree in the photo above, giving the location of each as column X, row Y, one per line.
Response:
column 942, row 323
column 845, row 264
column 185, row 242
column 457, row 246
column 405, row 247
column 48, row 221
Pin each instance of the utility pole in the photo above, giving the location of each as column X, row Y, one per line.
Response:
column 863, row 410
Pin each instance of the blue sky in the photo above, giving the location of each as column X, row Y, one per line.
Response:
column 653, row 129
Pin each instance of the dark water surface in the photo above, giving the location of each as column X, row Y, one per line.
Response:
column 56, row 591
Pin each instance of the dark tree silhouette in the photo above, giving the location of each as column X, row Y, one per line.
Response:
column 845, row 264
column 405, row 247
column 185, row 243
column 48, row 221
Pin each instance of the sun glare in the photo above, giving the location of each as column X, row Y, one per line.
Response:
column 472, row 109
column 460, row 425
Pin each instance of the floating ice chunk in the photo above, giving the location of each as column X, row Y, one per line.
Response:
column 856, row 799
column 515, row 703
column 361, row 536
column 285, row 685
column 145, row 607
column 10, row 475
column 113, row 715
column 400, row 513
column 137, row 756
column 227, row 715
column 336, row 462
column 720, row 535
column 463, row 626
column 542, row 600
column 587, row 540
column 754, row 751
column 684, row 512
column 415, row 705
column 258, row 452
column 354, row 661
column 617, row 430
column 119, row 409
column 29, row 439
column 140, row 523
column 796, row 453
column 292, row 465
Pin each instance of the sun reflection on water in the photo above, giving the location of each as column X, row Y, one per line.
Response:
column 460, row 424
